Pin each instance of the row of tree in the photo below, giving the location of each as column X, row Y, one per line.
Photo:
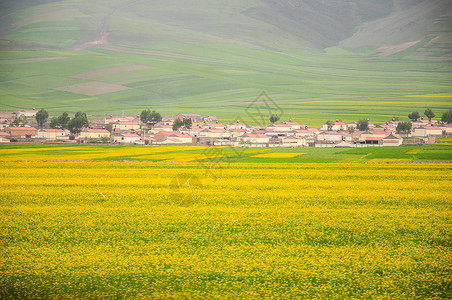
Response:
column 446, row 117
column 74, row 125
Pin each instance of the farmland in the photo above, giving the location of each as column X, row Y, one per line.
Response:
column 110, row 229
column 223, row 81
column 194, row 154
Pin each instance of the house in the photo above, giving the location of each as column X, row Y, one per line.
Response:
column 426, row 131
column 53, row 134
column 193, row 117
column 253, row 138
column 127, row 138
column 236, row 125
column 113, row 119
column 447, row 128
column 372, row 135
column 22, row 132
column 329, row 136
column 95, row 134
column 293, row 141
column 334, row 126
column 158, row 128
column 344, row 144
column 210, row 119
column 215, row 133
column 126, row 125
column 4, row 137
column 279, row 127
column 26, row 113
column 164, row 137
column 391, row 141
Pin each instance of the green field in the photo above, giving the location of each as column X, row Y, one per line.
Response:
column 273, row 231
column 309, row 88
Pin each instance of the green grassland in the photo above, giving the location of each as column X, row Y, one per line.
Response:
column 203, row 155
column 309, row 88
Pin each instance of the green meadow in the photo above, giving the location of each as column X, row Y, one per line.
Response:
column 309, row 88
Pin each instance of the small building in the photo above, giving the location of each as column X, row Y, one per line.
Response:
column 95, row 134
column 253, row 138
column 26, row 113
column 127, row 138
column 193, row 117
column 330, row 136
column 53, row 134
column 392, row 141
column 426, row 131
column 22, row 132
column 126, row 125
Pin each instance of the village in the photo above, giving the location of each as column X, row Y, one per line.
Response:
column 208, row 131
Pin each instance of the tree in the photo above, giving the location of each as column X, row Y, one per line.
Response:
column 187, row 123
column 414, row 116
column 148, row 116
column 19, row 121
column 429, row 114
column 177, row 124
column 447, row 117
column 155, row 117
column 350, row 129
column 54, row 122
column 274, row 118
column 404, row 127
column 145, row 115
column 363, row 125
column 41, row 117
column 329, row 125
column 63, row 120
column 79, row 121
column 109, row 127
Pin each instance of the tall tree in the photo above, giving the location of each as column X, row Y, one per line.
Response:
column 187, row 123
column 404, row 127
column 177, row 124
column 363, row 125
column 145, row 115
column 54, row 122
column 79, row 121
column 414, row 116
column 429, row 114
column 274, row 118
column 41, row 117
column 63, row 120
column 155, row 117
column 447, row 117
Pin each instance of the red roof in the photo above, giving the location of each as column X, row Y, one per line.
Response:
column 97, row 130
column 21, row 128
column 53, row 130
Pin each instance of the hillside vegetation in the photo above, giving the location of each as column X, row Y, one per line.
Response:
column 318, row 60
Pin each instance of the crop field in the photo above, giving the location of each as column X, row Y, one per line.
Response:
column 255, row 230
column 224, row 81
column 196, row 154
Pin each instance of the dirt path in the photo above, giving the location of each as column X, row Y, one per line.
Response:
column 104, row 33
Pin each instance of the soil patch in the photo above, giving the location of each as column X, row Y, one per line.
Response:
column 93, row 88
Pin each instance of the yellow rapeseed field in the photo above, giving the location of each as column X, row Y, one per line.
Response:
column 276, row 231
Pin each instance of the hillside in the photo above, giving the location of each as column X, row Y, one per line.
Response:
column 267, row 24
column 317, row 59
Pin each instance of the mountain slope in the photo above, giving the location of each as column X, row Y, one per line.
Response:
column 268, row 24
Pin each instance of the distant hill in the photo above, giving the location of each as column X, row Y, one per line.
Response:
column 266, row 24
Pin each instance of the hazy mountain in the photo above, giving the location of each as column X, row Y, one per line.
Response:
column 268, row 24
